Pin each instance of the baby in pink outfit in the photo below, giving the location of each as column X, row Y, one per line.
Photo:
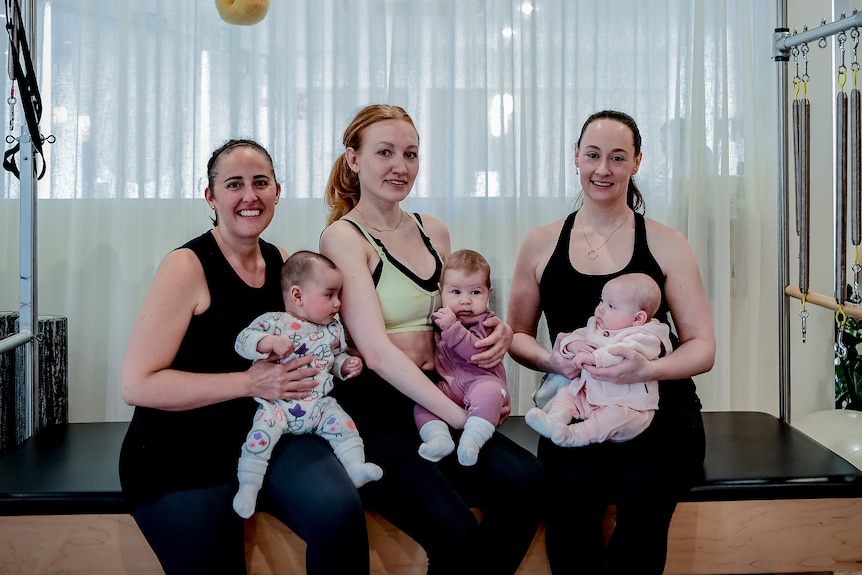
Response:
column 606, row 411
column 465, row 288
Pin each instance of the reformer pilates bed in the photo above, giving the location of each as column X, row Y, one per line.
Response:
column 771, row 500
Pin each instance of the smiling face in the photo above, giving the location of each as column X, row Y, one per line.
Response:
column 465, row 293
column 606, row 159
column 243, row 191
column 387, row 160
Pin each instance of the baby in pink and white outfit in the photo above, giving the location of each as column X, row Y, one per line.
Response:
column 607, row 411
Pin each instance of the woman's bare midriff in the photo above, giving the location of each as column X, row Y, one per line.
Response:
column 417, row 345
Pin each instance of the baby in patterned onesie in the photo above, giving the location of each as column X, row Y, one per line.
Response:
column 311, row 285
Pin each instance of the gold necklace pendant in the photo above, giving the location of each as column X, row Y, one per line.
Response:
column 593, row 253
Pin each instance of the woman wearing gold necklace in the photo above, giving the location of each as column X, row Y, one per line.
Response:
column 391, row 261
column 560, row 272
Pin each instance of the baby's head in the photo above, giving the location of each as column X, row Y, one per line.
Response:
column 465, row 283
column 628, row 300
column 311, row 287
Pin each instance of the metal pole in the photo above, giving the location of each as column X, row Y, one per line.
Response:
column 28, row 310
column 785, row 41
column 781, row 58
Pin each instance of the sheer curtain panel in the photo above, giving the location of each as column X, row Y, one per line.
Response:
column 138, row 94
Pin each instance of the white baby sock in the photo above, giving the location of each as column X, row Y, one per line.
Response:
column 573, row 435
column 539, row 421
column 437, row 441
column 477, row 432
column 351, row 454
column 250, row 472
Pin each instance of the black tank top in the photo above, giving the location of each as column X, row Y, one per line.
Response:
column 569, row 298
column 167, row 451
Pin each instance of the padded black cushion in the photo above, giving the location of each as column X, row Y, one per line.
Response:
column 752, row 455
column 72, row 468
column 63, row 470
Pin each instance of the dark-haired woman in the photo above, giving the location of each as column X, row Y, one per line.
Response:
column 560, row 272
column 193, row 395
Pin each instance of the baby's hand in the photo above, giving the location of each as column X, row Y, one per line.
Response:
column 351, row 367
column 573, row 348
column 583, row 358
column 282, row 347
column 444, row 318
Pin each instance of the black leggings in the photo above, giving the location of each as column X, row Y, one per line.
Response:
column 431, row 502
column 643, row 477
column 197, row 531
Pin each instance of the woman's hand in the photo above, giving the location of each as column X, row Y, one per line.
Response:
column 272, row 380
column 634, row 367
column 496, row 344
column 557, row 363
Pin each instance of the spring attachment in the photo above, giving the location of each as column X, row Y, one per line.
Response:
column 797, row 79
column 801, row 147
column 855, row 296
column 840, row 348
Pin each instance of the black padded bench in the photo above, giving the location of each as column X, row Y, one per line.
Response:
column 752, row 455
column 72, row 468
column 63, row 470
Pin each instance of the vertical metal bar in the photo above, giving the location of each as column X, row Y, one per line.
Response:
column 840, row 256
column 29, row 309
column 27, row 317
column 797, row 164
column 783, row 225
column 855, row 159
column 804, row 206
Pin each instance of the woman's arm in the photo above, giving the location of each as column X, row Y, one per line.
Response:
column 361, row 315
column 525, row 309
column 178, row 292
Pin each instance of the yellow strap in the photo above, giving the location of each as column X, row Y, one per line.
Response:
column 840, row 317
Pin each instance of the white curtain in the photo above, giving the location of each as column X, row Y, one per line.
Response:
column 138, row 93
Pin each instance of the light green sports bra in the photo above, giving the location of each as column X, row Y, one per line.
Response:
column 406, row 300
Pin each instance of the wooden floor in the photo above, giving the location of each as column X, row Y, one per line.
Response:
column 738, row 537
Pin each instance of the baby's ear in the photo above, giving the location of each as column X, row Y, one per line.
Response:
column 242, row 12
column 641, row 318
column 295, row 294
